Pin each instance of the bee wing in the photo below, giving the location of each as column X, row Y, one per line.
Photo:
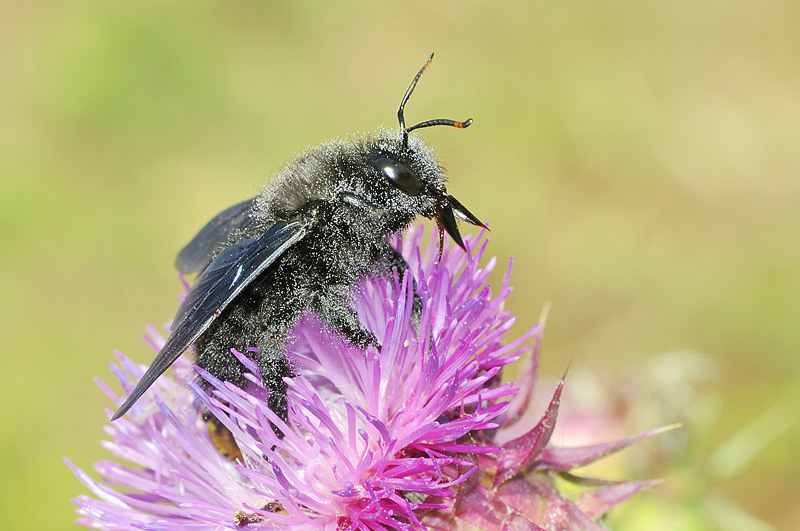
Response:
column 224, row 278
column 197, row 254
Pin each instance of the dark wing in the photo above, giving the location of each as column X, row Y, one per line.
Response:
column 224, row 279
column 197, row 254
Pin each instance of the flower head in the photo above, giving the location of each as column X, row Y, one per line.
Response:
column 405, row 437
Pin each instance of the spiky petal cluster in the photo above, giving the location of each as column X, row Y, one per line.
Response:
column 401, row 438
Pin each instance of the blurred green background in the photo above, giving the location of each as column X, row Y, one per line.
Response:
column 639, row 161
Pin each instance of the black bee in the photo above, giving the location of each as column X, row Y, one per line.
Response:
column 303, row 243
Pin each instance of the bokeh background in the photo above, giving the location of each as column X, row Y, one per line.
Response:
column 639, row 161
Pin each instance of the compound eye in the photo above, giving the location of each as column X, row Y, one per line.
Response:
column 399, row 174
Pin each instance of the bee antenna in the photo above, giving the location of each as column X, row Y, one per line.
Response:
column 426, row 123
column 439, row 121
column 411, row 87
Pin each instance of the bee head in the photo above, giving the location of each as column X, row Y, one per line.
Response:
column 406, row 181
column 386, row 179
column 411, row 168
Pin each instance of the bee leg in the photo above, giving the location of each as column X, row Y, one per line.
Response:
column 335, row 313
column 394, row 260
column 275, row 366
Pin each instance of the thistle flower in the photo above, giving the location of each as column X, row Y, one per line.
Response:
column 414, row 436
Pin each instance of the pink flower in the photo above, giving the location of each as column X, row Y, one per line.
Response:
column 401, row 438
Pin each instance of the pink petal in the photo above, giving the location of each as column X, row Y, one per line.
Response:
column 522, row 452
column 528, row 498
column 563, row 515
column 526, row 382
column 515, row 522
column 481, row 508
column 597, row 502
column 578, row 456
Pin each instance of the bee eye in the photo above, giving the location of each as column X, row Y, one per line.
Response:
column 399, row 174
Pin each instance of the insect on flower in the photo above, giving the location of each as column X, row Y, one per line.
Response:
column 303, row 243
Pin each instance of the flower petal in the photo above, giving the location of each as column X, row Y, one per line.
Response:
column 597, row 502
column 578, row 456
column 522, row 452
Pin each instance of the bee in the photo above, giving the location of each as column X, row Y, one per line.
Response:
column 319, row 227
